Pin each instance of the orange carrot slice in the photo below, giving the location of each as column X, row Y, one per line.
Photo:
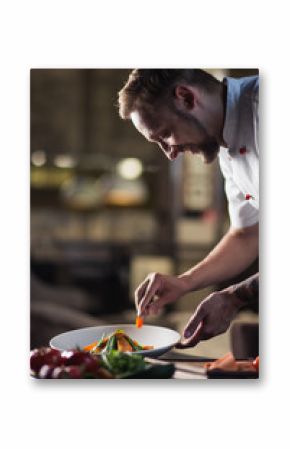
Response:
column 90, row 346
column 139, row 321
column 123, row 345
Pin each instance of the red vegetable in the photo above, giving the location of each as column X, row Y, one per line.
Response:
column 49, row 363
column 72, row 372
column 88, row 363
column 46, row 371
column 76, row 358
column 57, row 372
column 44, row 356
column 60, row 372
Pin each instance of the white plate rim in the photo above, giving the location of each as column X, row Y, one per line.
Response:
column 119, row 326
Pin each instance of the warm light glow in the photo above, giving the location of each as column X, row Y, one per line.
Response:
column 130, row 168
column 38, row 158
column 218, row 73
column 64, row 161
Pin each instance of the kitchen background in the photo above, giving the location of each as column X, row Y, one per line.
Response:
column 107, row 208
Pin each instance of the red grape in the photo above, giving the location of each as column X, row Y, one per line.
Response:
column 66, row 372
column 58, row 372
column 48, row 363
column 46, row 371
column 86, row 361
column 75, row 357
column 73, row 372
column 44, row 356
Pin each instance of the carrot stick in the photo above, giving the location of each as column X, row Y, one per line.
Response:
column 123, row 345
column 139, row 321
column 90, row 346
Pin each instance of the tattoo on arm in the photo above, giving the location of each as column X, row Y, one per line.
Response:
column 248, row 291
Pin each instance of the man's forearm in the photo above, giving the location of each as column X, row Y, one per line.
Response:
column 232, row 255
column 248, row 290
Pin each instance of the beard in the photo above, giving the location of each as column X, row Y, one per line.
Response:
column 208, row 147
column 209, row 150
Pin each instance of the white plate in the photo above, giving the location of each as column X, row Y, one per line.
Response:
column 161, row 338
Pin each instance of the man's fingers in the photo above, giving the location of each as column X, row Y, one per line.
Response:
column 193, row 340
column 193, row 323
column 139, row 293
column 148, row 294
column 152, row 309
column 193, row 330
column 158, row 303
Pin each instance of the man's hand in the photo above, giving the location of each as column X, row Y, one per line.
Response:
column 212, row 317
column 156, row 291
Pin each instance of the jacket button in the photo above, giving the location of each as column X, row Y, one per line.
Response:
column 249, row 197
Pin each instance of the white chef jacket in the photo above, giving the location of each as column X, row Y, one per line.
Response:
column 239, row 162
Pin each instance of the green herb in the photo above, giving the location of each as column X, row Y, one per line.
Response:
column 112, row 343
column 100, row 342
column 122, row 364
column 135, row 346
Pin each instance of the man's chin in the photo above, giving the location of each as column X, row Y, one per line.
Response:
column 206, row 155
column 209, row 158
column 207, row 152
column 210, row 152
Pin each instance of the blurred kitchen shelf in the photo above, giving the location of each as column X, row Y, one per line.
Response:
column 61, row 250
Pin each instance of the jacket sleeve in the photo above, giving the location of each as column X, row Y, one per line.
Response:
column 242, row 213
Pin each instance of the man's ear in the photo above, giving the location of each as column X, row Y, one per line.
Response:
column 185, row 97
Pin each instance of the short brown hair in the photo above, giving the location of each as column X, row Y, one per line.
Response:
column 147, row 86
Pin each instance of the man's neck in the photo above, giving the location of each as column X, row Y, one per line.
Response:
column 215, row 104
column 224, row 103
column 221, row 101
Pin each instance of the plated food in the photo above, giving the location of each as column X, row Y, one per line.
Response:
column 161, row 338
column 118, row 340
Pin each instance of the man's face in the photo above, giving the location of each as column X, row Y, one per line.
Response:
column 175, row 132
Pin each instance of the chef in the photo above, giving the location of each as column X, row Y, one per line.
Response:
column 190, row 110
